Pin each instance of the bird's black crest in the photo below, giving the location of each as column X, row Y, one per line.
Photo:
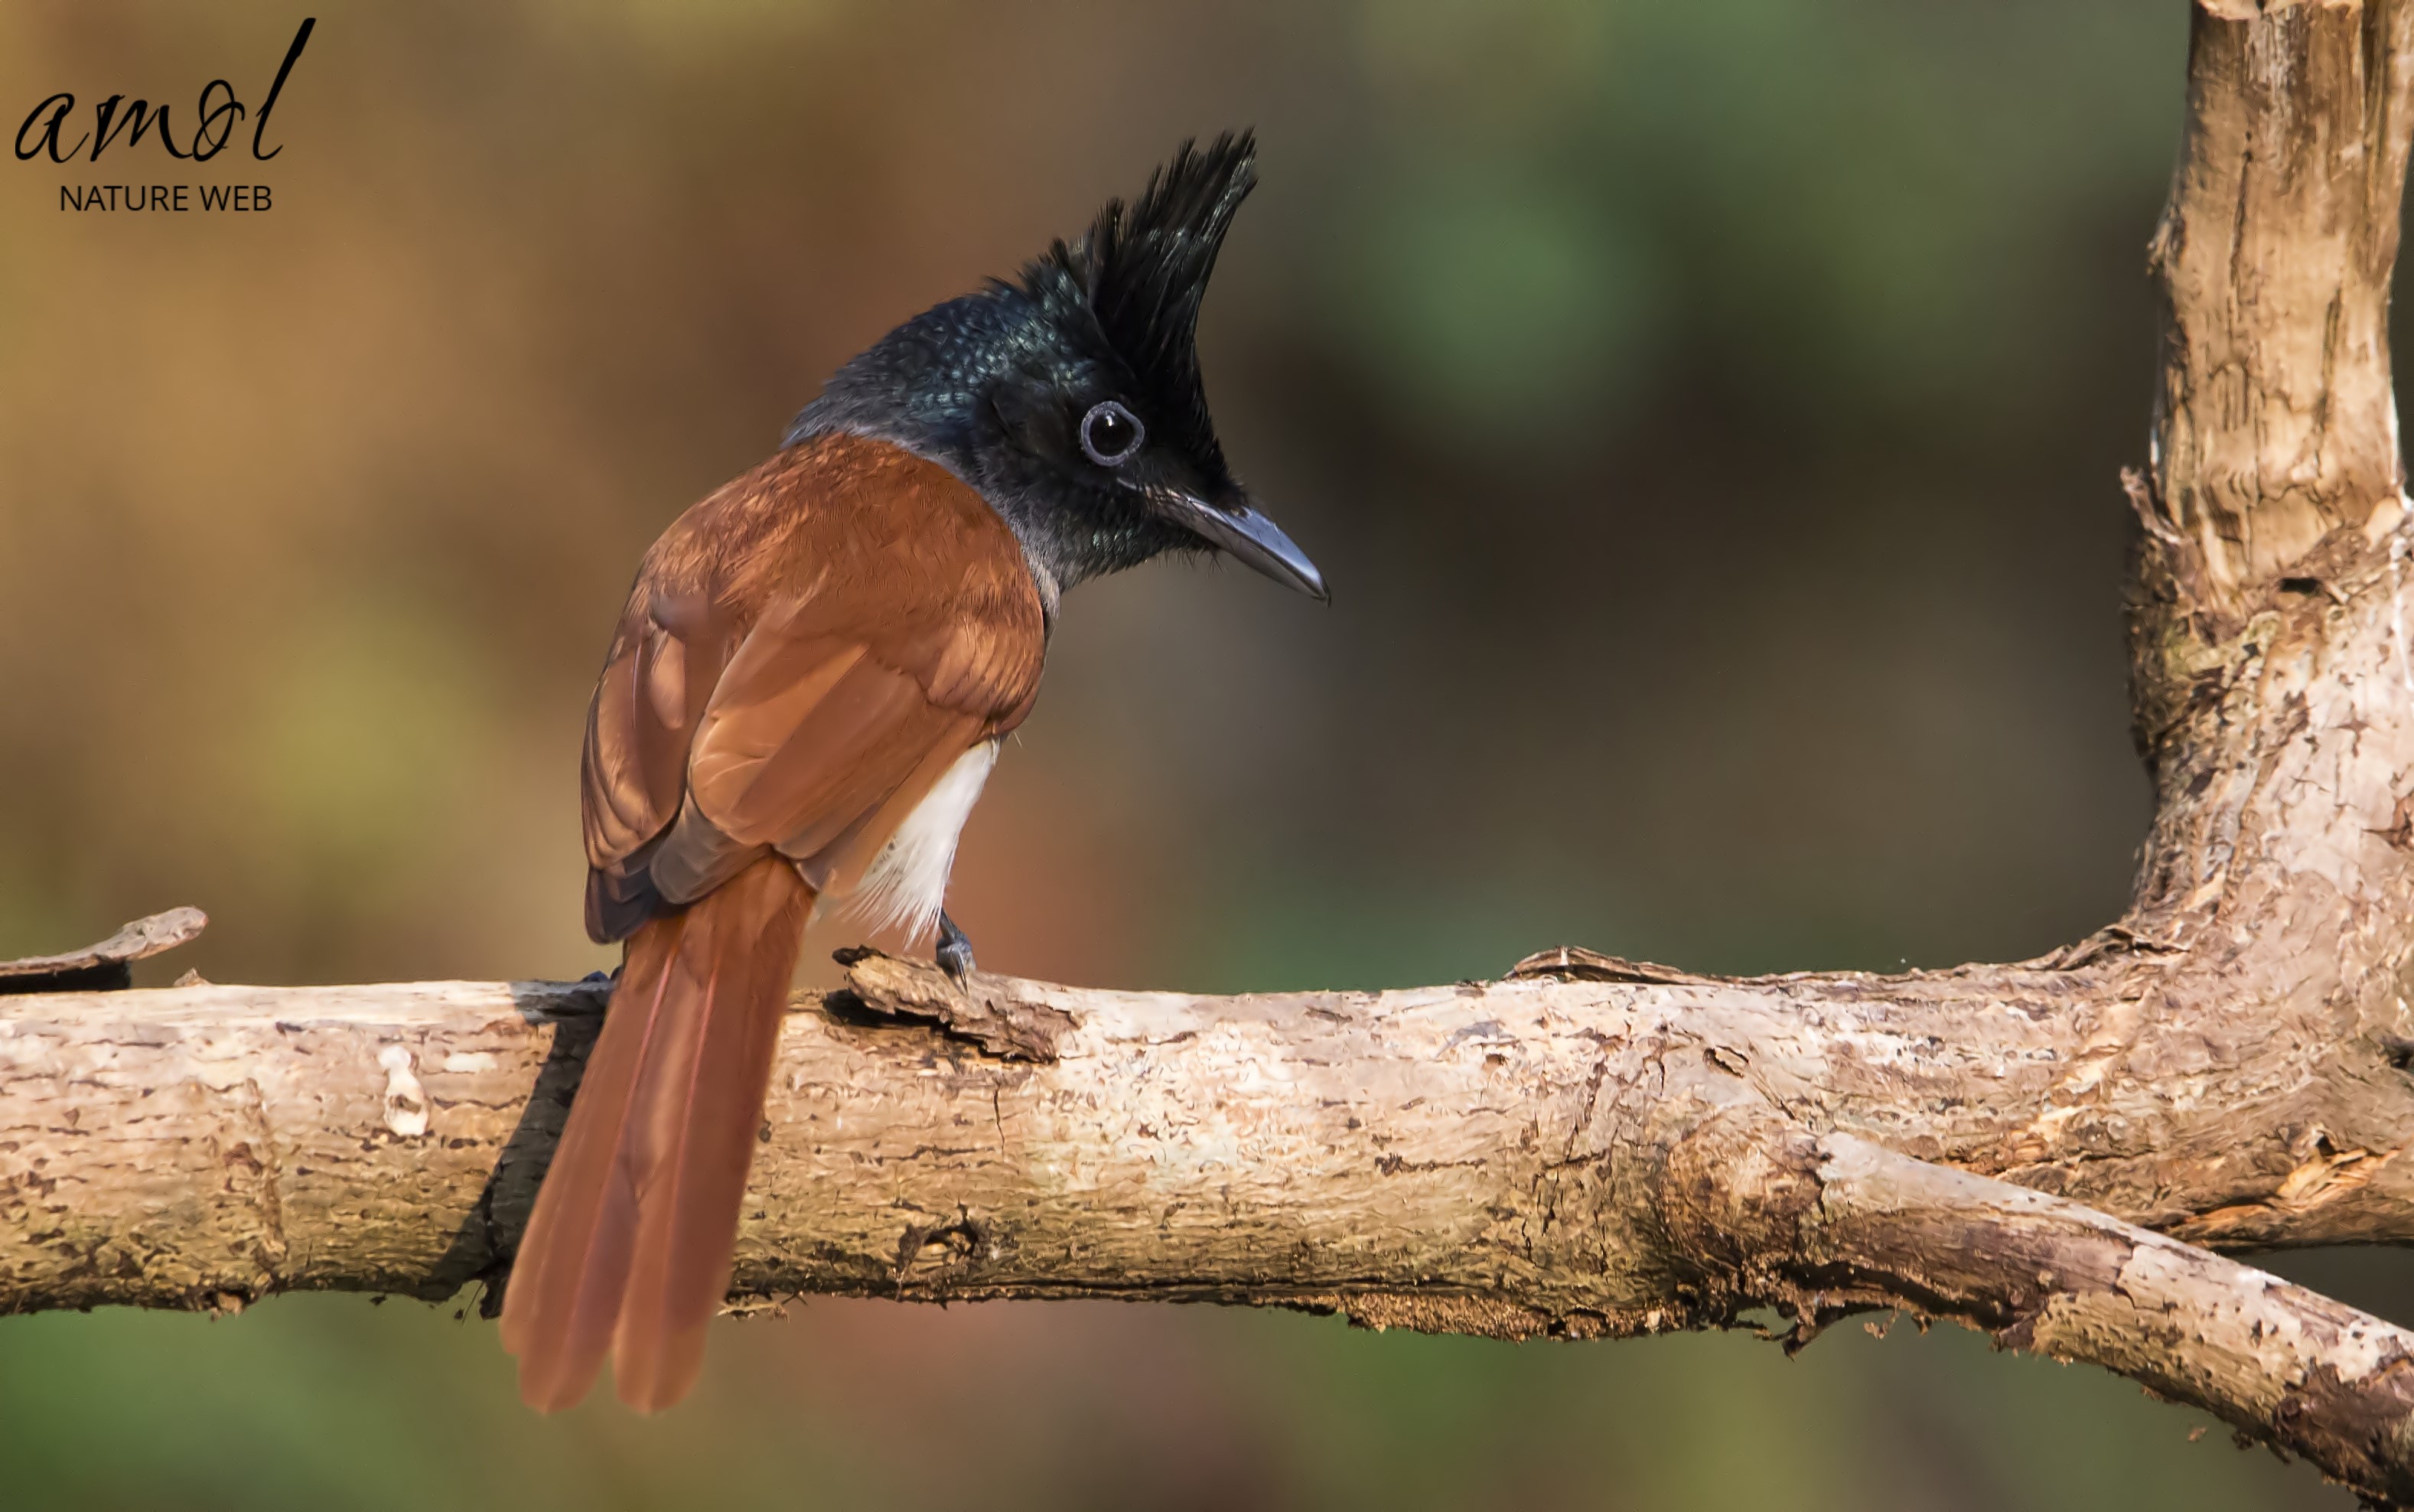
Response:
column 1142, row 270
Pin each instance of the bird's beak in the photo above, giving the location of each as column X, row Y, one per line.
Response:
column 1235, row 526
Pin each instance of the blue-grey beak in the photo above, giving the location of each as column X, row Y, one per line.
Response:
column 1235, row 526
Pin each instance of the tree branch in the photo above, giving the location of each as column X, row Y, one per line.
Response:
column 1533, row 1156
column 2279, row 1363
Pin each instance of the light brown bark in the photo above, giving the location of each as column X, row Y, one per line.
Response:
column 1587, row 1147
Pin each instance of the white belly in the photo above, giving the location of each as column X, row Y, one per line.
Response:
column 905, row 884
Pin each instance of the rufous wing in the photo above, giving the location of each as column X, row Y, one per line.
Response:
column 804, row 649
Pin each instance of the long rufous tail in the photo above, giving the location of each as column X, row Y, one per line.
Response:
column 628, row 1249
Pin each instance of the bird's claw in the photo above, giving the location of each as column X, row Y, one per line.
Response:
column 954, row 952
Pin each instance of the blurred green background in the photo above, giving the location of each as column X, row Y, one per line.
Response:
column 1708, row 414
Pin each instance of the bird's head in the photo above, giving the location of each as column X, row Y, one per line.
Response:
column 1071, row 396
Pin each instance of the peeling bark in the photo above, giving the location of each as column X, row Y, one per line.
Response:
column 2051, row 1150
column 108, row 964
column 2277, row 425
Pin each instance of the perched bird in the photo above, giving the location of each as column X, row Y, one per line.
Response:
column 804, row 695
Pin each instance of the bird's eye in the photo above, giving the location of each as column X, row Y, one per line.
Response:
column 1111, row 433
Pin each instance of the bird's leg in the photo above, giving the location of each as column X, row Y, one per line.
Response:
column 954, row 952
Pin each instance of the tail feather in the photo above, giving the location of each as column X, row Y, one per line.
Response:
column 629, row 1250
column 566, row 1284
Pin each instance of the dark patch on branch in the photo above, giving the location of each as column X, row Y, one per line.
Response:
column 1573, row 963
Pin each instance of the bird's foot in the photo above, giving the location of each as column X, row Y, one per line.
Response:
column 954, row 952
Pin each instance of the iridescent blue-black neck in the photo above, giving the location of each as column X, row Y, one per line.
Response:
column 942, row 386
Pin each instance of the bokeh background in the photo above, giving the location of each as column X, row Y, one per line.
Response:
column 1708, row 414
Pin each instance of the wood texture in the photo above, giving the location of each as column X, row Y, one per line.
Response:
column 1527, row 1158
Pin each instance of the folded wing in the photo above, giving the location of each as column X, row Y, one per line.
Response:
column 805, row 655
